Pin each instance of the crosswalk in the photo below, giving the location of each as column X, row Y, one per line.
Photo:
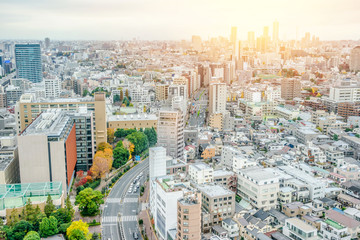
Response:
column 128, row 218
column 113, row 200
column 109, row 219
column 130, row 200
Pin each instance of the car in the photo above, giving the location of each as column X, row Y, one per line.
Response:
column 130, row 190
column 135, row 235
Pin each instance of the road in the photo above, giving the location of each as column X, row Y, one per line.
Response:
column 120, row 202
column 197, row 119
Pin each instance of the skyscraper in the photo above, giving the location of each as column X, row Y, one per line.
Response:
column 233, row 35
column 276, row 31
column 355, row 59
column 290, row 88
column 251, row 39
column 170, row 132
column 47, row 42
column 28, row 62
column 217, row 98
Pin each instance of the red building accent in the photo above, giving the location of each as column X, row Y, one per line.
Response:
column 71, row 154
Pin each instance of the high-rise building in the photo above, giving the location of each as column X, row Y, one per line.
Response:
column 196, row 42
column 157, row 162
column 233, row 37
column 47, row 42
column 251, row 39
column 217, row 98
column 276, row 31
column 290, row 88
column 170, row 132
column 28, row 62
column 47, row 149
column 355, row 59
column 13, row 94
column 189, row 217
column 28, row 108
column 52, row 87
column 161, row 92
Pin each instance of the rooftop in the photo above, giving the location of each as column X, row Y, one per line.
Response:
column 132, row 117
column 334, row 224
column 214, row 190
column 259, row 174
column 300, row 224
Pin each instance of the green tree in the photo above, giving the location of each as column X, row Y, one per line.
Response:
column 78, row 230
column 85, row 93
column 62, row 215
column 77, row 234
column 335, row 137
column 32, row 235
column 89, row 201
column 151, row 135
column 19, row 230
column 116, row 98
column 49, row 206
column 48, row 227
column 69, row 208
column 95, row 236
column 121, row 156
column 13, row 218
column 140, row 142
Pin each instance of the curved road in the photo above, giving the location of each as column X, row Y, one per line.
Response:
column 123, row 204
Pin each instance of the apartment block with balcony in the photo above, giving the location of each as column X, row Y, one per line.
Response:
column 330, row 229
column 260, row 186
column 201, row 173
column 296, row 229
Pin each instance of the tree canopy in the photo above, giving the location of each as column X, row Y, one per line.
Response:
column 48, row 227
column 78, row 230
column 89, row 201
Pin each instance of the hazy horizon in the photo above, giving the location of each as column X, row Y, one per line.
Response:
column 170, row 20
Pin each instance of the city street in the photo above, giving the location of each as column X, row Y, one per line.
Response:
column 198, row 117
column 120, row 202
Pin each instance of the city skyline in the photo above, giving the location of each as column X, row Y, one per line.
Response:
column 164, row 20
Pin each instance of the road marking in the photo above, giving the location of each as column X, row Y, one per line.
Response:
column 130, row 200
column 128, row 218
column 109, row 219
column 113, row 200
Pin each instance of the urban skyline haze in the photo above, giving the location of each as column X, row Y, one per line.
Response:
column 172, row 20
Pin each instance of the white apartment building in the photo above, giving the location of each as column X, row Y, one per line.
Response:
column 170, row 132
column 52, row 87
column 295, row 228
column 345, row 93
column 330, row 229
column 252, row 95
column 259, row 186
column 201, row 173
column 272, row 94
column 157, row 162
column 227, row 155
column 241, row 162
column 217, row 98
column 164, row 209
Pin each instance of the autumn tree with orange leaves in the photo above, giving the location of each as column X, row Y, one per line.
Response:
column 102, row 161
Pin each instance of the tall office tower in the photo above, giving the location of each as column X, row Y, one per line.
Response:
column 251, row 39
column 47, row 149
column 196, row 43
column 28, row 62
column 355, row 59
column 28, row 108
column 276, row 31
column 266, row 31
column 290, row 88
column 47, row 42
column 217, row 98
column 189, row 217
column 233, row 35
column 52, row 87
column 157, row 162
column 170, row 132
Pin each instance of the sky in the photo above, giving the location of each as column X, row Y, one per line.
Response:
column 176, row 19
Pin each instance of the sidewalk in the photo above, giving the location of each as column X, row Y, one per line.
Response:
column 144, row 214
